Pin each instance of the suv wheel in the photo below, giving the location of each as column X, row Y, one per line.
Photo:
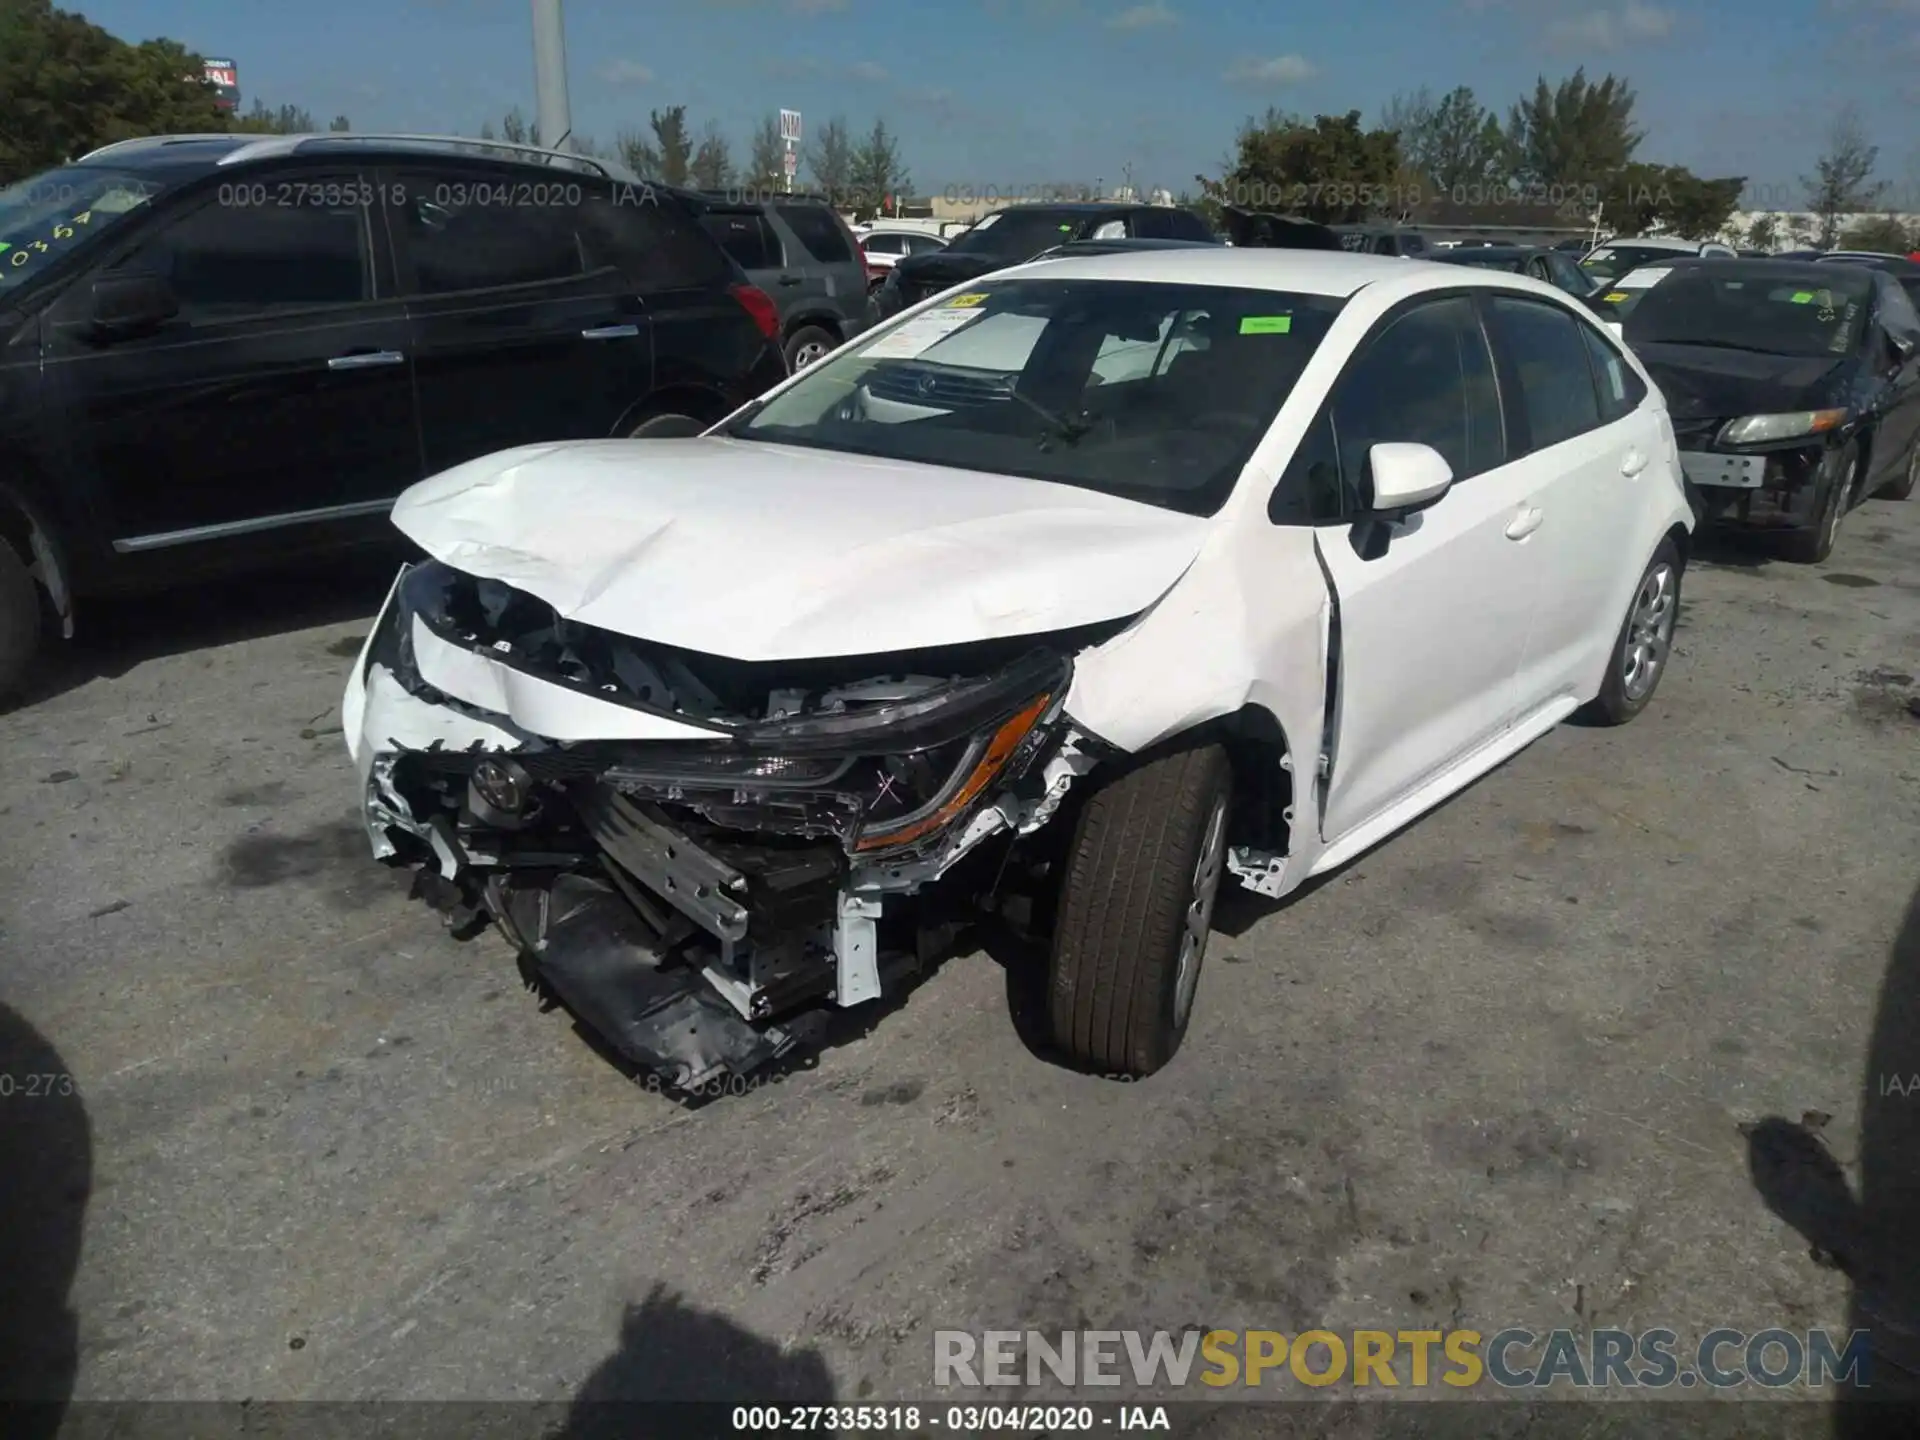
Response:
column 1135, row 909
column 1813, row 545
column 806, row 345
column 20, row 625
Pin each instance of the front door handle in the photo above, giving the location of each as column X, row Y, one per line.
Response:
column 366, row 360
column 1525, row 523
column 789, row 279
column 1633, row 464
column 610, row 332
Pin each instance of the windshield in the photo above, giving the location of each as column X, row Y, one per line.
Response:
column 1015, row 234
column 1767, row 314
column 1612, row 260
column 1495, row 261
column 1618, row 300
column 1152, row 392
column 54, row 212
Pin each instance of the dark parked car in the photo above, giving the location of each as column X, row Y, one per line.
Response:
column 1556, row 267
column 216, row 352
column 1901, row 267
column 1383, row 240
column 1017, row 233
column 1123, row 246
column 798, row 250
column 1794, row 388
column 1264, row 230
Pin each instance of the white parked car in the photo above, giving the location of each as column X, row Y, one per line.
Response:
column 697, row 722
column 1616, row 257
column 885, row 246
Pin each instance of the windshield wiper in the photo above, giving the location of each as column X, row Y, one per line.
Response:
column 1068, row 428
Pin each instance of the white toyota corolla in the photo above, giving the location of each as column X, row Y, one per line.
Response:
column 1131, row 571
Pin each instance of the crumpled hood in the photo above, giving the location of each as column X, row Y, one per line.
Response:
column 1705, row 382
column 771, row 552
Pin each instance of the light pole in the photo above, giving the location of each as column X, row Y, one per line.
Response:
column 550, row 75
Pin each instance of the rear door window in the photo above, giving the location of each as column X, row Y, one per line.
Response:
column 746, row 236
column 818, row 229
column 655, row 242
column 1619, row 389
column 460, row 231
column 1557, row 395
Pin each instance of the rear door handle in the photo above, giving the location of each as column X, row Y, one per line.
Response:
column 610, row 332
column 789, row 279
column 366, row 360
column 1525, row 523
column 1633, row 464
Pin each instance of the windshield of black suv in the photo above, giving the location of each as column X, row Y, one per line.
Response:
column 51, row 213
column 1153, row 392
column 1016, row 234
column 1767, row 314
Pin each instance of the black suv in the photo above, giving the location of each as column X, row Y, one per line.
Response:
column 219, row 350
column 1018, row 233
column 799, row 250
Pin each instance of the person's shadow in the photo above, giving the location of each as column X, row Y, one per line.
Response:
column 46, row 1174
column 1873, row 1237
column 673, row 1362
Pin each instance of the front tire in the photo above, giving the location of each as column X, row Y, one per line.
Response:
column 20, row 623
column 806, row 345
column 1645, row 643
column 1902, row 488
column 1136, row 906
column 1812, row 547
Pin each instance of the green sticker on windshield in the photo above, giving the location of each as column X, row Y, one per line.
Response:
column 1802, row 297
column 1266, row 324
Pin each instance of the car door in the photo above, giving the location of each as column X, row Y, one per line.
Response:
column 1432, row 624
column 746, row 235
column 522, row 329
column 280, row 395
column 821, row 250
column 1895, row 320
column 1575, row 413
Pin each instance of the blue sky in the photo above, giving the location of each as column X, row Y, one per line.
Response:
column 1003, row 93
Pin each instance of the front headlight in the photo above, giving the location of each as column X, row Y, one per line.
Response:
column 909, row 797
column 1758, row 429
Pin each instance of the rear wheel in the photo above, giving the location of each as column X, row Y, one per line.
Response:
column 1135, row 910
column 1645, row 641
column 20, row 622
column 806, row 345
column 1811, row 546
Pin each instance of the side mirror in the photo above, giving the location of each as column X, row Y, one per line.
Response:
column 123, row 305
column 1406, row 478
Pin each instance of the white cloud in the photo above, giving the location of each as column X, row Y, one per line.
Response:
column 625, row 72
column 1280, row 70
column 1142, row 17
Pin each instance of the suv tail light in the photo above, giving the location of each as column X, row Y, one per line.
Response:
column 757, row 303
column 874, row 272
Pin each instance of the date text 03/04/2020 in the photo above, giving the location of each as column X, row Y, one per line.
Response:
column 966, row 1419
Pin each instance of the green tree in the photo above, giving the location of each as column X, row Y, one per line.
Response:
column 878, row 177
column 1842, row 182
column 67, row 86
column 1883, row 233
column 712, row 166
column 1671, row 199
column 672, row 143
column 515, row 128
column 763, row 171
column 1455, row 144
column 1764, row 232
column 286, row 120
column 1332, row 170
column 340, row 125
column 1573, row 136
column 830, row 158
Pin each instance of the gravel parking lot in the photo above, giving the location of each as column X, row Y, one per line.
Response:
column 1573, row 1050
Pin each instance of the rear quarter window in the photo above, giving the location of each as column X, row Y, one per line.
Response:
column 655, row 241
column 819, row 230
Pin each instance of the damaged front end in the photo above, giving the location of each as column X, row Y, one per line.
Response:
column 696, row 854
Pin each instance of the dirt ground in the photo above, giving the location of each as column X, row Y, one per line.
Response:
column 1603, row 1041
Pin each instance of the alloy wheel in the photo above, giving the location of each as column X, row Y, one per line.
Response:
column 1199, row 920
column 1649, row 632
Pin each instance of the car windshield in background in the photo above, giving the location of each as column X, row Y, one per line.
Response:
column 49, row 214
column 1511, row 263
column 1153, row 392
column 1610, row 261
column 1015, row 234
column 1619, row 298
column 1757, row 312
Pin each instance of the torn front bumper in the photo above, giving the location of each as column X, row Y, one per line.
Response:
column 1772, row 490
column 634, row 887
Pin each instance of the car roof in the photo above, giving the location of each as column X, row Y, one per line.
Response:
column 1770, row 269
column 1880, row 259
column 210, row 151
column 1075, row 207
column 1498, row 250
column 1333, row 273
column 1133, row 242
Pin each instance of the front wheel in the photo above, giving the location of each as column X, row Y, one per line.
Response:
column 1645, row 642
column 20, row 623
column 1812, row 546
column 1136, row 907
column 1902, row 488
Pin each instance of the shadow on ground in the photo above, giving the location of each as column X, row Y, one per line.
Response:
column 112, row 636
column 671, row 1352
column 1872, row 1236
column 46, row 1175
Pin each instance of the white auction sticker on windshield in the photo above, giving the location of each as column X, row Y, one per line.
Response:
column 1640, row 279
column 921, row 333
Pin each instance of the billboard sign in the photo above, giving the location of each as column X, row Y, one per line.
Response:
column 790, row 126
column 225, row 79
